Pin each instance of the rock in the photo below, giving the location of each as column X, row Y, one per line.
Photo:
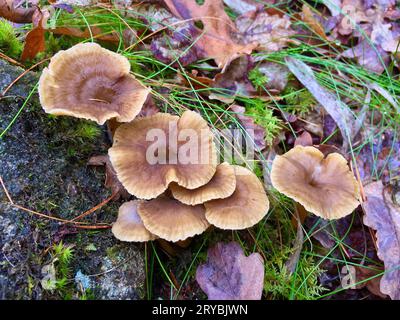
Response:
column 43, row 163
column 114, row 282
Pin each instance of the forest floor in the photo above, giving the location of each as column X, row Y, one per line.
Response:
column 321, row 73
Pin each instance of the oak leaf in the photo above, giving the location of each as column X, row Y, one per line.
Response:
column 229, row 275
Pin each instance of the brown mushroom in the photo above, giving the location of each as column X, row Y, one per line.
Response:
column 244, row 208
column 90, row 82
column 146, row 167
column 324, row 186
column 172, row 220
column 129, row 226
column 222, row 185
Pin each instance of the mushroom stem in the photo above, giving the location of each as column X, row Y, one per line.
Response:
column 112, row 125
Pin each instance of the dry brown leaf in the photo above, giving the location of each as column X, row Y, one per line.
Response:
column 35, row 41
column 383, row 215
column 354, row 13
column 216, row 39
column 271, row 32
column 373, row 284
column 229, row 275
column 9, row 11
column 374, row 24
column 304, row 139
column 308, row 17
column 96, row 32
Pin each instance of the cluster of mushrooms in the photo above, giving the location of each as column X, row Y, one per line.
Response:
column 176, row 200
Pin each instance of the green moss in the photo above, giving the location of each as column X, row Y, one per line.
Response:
column 87, row 130
column 257, row 78
column 299, row 102
column 9, row 43
column 264, row 117
column 301, row 285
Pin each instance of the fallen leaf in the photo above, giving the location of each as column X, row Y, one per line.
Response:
column 382, row 215
column 333, row 6
column 271, row 32
column 353, row 12
column 244, row 6
column 9, row 11
column 339, row 111
column 277, row 75
column 373, row 284
column 304, row 139
column 314, row 24
column 229, row 275
column 111, row 181
column 372, row 23
column 254, row 130
column 372, row 58
column 215, row 40
column 35, row 40
column 94, row 31
column 234, row 80
column 170, row 50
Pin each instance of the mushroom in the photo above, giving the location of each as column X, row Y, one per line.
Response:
column 129, row 226
column 324, row 186
column 146, row 168
column 244, row 208
column 90, row 82
column 222, row 185
column 172, row 220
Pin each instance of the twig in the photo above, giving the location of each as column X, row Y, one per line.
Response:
column 6, row 191
column 80, row 225
column 101, row 204
column 7, row 58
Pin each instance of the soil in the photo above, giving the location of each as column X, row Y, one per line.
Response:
column 43, row 163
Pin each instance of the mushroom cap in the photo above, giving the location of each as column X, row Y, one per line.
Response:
column 222, row 185
column 90, row 82
column 172, row 220
column 129, row 226
column 324, row 186
column 244, row 208
column 147, row 179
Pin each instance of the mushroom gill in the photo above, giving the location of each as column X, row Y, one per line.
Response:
column 172, row 220
column 222, row 185
column 244, row 208
column 90, row 82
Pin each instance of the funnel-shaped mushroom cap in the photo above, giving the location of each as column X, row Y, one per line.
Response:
column 129, row 226
column 147, row 156
column 90, row 82
column 244, row 208
column 172, row 220
column 222, row 185
column 324, row 186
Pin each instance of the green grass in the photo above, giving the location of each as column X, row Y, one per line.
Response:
column 275, row 234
